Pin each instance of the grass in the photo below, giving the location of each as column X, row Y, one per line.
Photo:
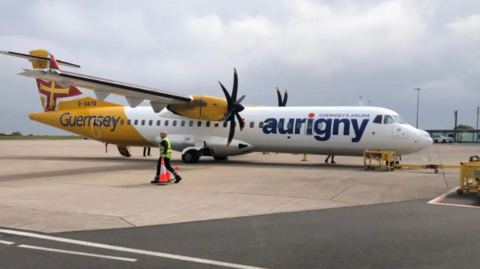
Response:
column 41, row 137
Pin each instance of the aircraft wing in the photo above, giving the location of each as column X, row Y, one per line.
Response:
column 103, row 87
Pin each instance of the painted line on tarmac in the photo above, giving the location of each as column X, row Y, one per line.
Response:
column 78, row 253
column 6, row 242
column 468, row 206
column 441, row 197
column 130, row 250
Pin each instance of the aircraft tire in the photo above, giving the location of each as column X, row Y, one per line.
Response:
column 190, row 156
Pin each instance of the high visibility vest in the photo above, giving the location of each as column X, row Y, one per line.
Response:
column 169, row 149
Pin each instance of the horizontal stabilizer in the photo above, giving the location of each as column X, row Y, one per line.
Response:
column 33, row 57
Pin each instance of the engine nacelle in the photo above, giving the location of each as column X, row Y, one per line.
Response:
column 202, row 108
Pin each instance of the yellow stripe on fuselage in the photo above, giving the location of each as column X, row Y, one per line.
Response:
column 81, row 121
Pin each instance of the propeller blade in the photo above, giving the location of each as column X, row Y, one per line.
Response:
column 279, row 97
column 227, row 116
column 235, row 85
column 240, row 121
column 232, row 131
column 285, row 99
column 241, row 99
column 227, row 95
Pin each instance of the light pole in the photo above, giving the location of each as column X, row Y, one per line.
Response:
column 418, row 102
column 478, row 112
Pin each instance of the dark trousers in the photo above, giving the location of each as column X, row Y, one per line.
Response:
column 167, row 165
column 145, row 150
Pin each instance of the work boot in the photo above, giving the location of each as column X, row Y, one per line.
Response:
column 333, row 162
column 326, row 160
column 155, row 180
column 177, row 178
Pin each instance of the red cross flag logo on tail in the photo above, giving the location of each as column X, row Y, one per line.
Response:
column 52, row 93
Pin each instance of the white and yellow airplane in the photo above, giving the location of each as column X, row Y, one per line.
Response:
column 210, row 126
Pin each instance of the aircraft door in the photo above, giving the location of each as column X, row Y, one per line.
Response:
column 96, row 128
column 399, row 132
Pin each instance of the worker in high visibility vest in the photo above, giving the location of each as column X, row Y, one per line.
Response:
column 166, row 154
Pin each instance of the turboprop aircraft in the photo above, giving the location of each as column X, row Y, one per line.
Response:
column 200, row 125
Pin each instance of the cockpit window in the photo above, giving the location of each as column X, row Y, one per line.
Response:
column 378, row 119
column 399, row 119
column 388, row 119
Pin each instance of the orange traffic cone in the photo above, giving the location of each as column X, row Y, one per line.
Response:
column 164, row 175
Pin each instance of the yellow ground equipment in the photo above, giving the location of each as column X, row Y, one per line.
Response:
column 386, row 159
column 470, row 176
column 435, row 167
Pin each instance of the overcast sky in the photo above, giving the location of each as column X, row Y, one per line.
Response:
column 325, row 53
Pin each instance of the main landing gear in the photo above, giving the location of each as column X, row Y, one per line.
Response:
column 193, row 156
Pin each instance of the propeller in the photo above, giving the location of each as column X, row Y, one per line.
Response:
column 280, row 103
column 234, row 107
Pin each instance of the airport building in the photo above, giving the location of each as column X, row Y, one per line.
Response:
column 460, row 136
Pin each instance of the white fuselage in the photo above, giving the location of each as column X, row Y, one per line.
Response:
column 332, row 130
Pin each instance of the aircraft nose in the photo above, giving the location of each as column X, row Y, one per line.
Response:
column 426, row 139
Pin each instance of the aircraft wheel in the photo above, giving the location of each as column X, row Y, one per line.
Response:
column 220, row 158
column 190, row 156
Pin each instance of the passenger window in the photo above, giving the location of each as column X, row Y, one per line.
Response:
column 208, row 124
column 299, row 125
column 216, row 124
column 191, row 123
column 199, row 123
column 378, row 119
column 129, row 122
column 225, row 123
column 150, row 122
column 289, row 125
column 183, row 123
column 388, row 120
column 136, row 122
column 309, row 125
column 252, row 124
column 280, row 124
column 260, row 124
column 270, row 124
column 143, row 122
column 158, row 122
column 121, row 122
column 174, row 123
column 166, row 123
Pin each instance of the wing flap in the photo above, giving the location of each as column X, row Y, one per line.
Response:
column 127, row 90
